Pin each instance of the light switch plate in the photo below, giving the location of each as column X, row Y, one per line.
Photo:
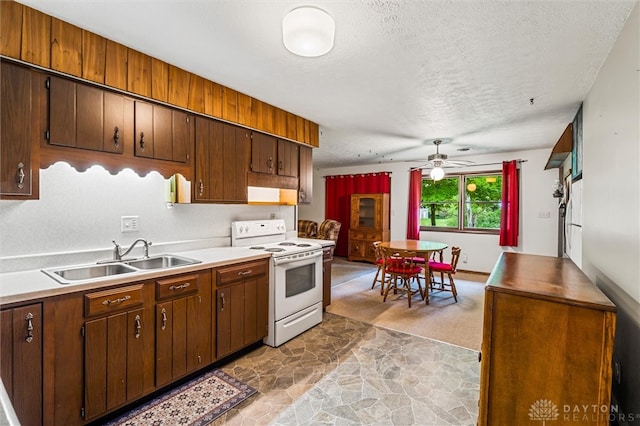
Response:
column 129, row 223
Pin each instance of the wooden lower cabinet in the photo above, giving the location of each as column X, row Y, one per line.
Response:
column 242, row 297
column 547, row 344
column 118, row 364
column 327, row 260
column 183, row 327
column 21, row 360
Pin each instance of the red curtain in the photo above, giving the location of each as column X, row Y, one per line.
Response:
column 415, row 197
column 510, row 204
column 338, row 190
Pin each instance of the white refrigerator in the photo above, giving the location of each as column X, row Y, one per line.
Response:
column 573, row 224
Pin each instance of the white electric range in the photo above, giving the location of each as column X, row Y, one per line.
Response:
column 295, row 277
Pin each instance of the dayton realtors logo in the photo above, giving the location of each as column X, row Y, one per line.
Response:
column 543, row 410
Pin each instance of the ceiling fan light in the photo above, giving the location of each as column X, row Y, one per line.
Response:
column 308, row 31
column 437, row 173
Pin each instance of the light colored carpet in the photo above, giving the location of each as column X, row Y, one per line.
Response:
column 443, row 320
column 342, row 270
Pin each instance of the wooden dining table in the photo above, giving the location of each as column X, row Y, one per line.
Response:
column 423, row 249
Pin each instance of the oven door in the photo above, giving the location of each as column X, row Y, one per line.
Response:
column 297, row 284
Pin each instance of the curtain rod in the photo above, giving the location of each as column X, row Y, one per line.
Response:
column 357, row 174
column 467, row 165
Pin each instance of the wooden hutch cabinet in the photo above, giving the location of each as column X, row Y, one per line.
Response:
column 547, row 344
column 369, row 223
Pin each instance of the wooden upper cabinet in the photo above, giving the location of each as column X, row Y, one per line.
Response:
column 179, row 81
column 264, row 151
column 139, row 73
column 161, row 132
column 288, row 158
column 62, row 111
column 94, row 55
column 115, row 71
column 36, row 38
column 305, row 189
column 159, row 80
column 221, row 163
column 18, row 137
column 10, row 28
column 83, row 116
column 66, row 48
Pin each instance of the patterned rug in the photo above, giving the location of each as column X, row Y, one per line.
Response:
column 196, row 403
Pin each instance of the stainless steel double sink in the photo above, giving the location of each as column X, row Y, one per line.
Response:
column 72, row 274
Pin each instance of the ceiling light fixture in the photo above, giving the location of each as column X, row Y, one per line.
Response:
column 308, row 31
column 437, row 173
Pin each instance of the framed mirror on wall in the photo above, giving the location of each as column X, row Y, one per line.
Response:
column 576, row 150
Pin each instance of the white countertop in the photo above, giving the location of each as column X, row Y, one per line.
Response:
column 34, row 284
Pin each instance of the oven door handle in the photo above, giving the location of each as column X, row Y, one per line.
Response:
column 284, row 260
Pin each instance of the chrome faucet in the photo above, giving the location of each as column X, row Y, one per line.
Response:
column 118, row 255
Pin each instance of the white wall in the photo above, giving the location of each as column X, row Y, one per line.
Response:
column 81, row 211
column 537, row 235
column 611, row 172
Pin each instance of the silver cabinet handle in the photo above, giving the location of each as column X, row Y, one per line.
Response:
column 179, row 287
column 20, row 180
column 221, row 301
column 28, row 319
column 138, row 323
column 142, row 141
column 108, row 302
column 164, row 318
column 201, row 187
column 270, row 163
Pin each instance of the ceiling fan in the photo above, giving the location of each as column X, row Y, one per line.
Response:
column 438, row 161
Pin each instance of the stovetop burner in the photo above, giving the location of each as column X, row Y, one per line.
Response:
column 275, row 249
column 287, row 243
column 257, row 248
column 304, row 245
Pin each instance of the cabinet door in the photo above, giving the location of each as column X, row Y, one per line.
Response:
column 115, row 135
column 62, row 112
column 164, row 343
column 89, row 117
column 305, row 192
column 236, row 161
column 162, row 133
column 181, row 131
column 15, row 131
column 203, row 160
column 114, row 361
column 144, row 129
column 263, row 153
column 230, row 318
column 288, row 158
column 21, row 361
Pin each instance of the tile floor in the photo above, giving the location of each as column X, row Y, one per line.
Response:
column 345, row 372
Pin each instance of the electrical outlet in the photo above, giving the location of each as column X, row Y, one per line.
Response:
column 465, row 258
column 272, row 216
column 544, row 215
column 617, row 372
column 129, row 223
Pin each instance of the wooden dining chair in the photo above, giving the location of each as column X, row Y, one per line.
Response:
column 379, row 277
column 445, row 268
column 399, row 265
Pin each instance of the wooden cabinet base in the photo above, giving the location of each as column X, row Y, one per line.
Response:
column 547, row 344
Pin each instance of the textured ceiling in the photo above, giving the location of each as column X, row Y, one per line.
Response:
column 401, row 74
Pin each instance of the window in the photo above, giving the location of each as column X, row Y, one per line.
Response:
column 465, row 202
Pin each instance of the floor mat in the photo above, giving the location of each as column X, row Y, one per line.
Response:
column 196, row 403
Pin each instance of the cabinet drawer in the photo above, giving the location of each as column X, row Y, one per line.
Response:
column 244, row 271
column 102, row 302
column 373, row 236
column 356, row 235
column 176, row 286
